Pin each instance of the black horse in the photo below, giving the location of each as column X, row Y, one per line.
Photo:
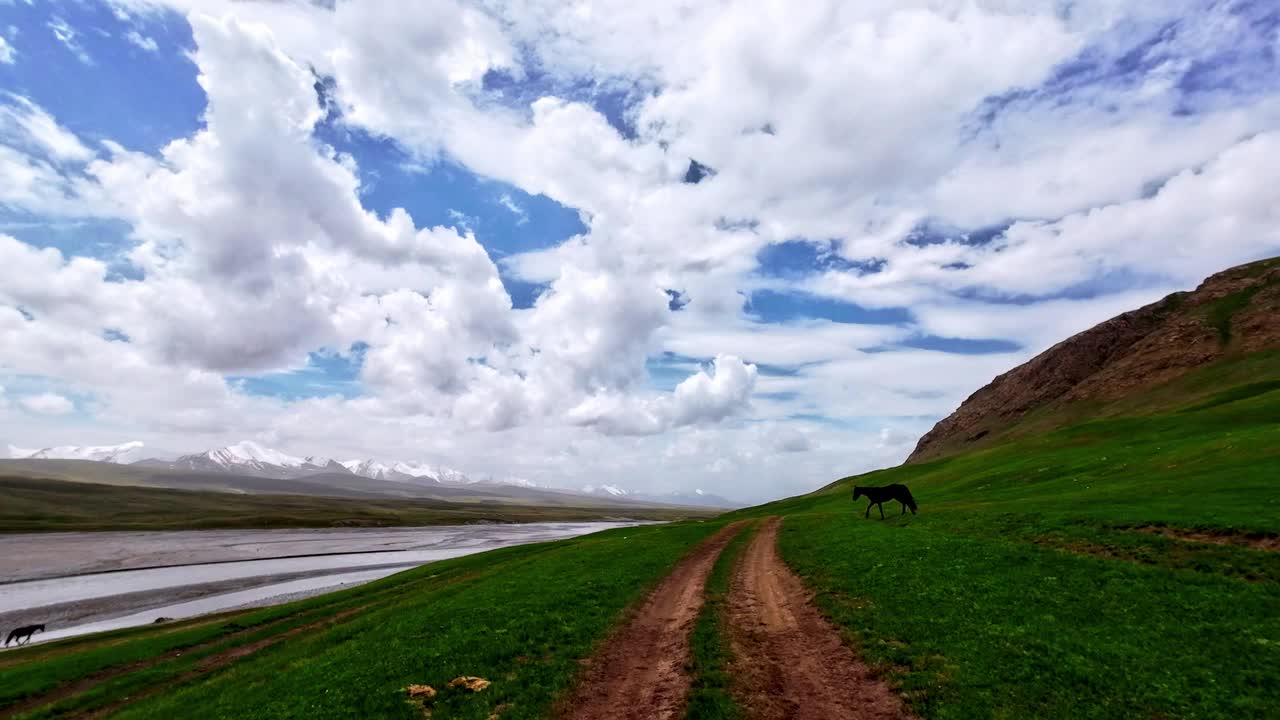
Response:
column 23, row 634
column 877, row 496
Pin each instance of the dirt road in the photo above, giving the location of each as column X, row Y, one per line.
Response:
column 789, row 662
column 640, row 672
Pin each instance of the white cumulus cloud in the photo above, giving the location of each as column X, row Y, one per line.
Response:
column 868, row 139
column 47, row 404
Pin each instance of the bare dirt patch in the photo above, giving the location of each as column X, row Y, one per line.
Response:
column 1255, row 541
column 639, row 674
column 789, row 661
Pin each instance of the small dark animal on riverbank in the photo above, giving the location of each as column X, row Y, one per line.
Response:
column 877, row 496
column 23, row 634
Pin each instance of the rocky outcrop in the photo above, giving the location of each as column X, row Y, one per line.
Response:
column 1235, row 311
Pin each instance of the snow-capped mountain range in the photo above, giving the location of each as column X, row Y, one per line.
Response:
column 697, row 497
column 250, row 458
column 123, row 453
column 405, row 472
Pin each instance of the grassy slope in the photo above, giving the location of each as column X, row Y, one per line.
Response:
column 521, row 617
column 1022, row 589
column 41, row 505
column 1234, row 371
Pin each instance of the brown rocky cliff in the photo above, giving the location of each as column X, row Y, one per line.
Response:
column 1237, row 310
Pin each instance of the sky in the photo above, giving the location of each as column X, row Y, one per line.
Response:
column 745, row 247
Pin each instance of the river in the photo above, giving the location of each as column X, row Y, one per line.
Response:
column 78, row 583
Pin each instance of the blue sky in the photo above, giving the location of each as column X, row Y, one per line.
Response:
column 111, row 88
column 469, row 225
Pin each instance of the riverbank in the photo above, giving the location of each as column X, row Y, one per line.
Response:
column 78, row 583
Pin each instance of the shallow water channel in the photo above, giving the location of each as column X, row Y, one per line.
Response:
column 78, row 583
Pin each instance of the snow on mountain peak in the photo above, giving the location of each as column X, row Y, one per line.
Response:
column 320, row 461
column 247, row 457
column 17, row 453
column 414, row 469
column 432, row 472
column 449, row 475
column 122, row 453
column 247, row 451
column 367, row 468
column 405, row 471
column 605, row 489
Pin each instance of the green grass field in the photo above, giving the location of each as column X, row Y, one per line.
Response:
column 1110, row 569
column 1027, row 588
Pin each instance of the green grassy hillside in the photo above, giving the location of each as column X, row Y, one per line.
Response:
column 1207, row 461
column 1123, row 567
column 1224, row 332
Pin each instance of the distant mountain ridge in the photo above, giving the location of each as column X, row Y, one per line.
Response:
column 695, row 498
column 406, row 472
column 123, row 453
column 1234, row 312
column 251, row 460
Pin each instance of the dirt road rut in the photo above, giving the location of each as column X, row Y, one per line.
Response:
column 789, row 662
column 640, row 672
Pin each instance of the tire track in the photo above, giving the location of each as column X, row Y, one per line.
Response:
column 640, row 673
column 789, row 661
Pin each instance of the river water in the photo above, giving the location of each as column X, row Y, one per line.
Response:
column 78, row 583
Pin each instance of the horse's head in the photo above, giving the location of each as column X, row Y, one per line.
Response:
column 40, row 628
column 857, row 492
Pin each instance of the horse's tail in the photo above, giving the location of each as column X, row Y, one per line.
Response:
column 906, row 498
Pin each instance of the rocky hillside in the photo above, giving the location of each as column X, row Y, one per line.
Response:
column 1233, row 312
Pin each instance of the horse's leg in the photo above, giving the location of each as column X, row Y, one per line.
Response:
column 904, row 508
column 867, row 514
column 881, row 506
